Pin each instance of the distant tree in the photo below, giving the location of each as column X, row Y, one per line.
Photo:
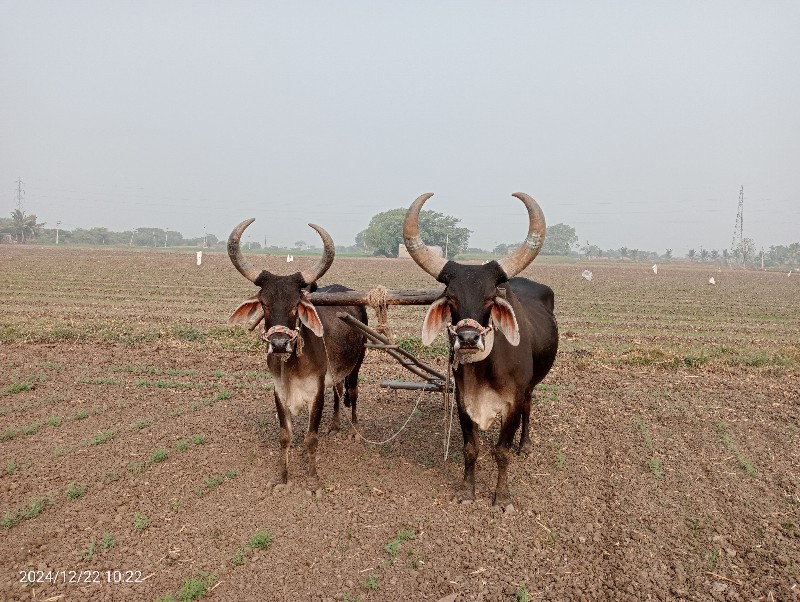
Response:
column 560, row 239
column 668, row 254
column 300, row 244
column 714, row 254
column 501, row 249
column 385, row 232
column 24, row 227
column 634, row 253
column 623, row 252
column 748, row 249
column 703, row 254
column 691, row 254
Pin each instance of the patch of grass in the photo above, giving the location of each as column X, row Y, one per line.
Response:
column 80, row 414
column 198, row 439
column 188, row 333
column 108, row 542
column 10, row 519
column 90, row 551
column 54, row 421
column 98, row 381
column 50, row 365
column 218, row 374
column 76, row 490
column 260, row 541
column 195, row 587
column 8, row 434
column 654, row 464
column 393, row 547
column 213, row 482
column 348, row 598
column 222, row 395
column 110, row 477
column 414, row 345
column 103, row 437
column 35, row 507
column 17, row 388
column 170, row 384
column 561, row 459
column 11, row 467
column 371, row 583
column 31, row 429
column 178, row 372
column 238, row 557
column 522, row 595
column 143, row 423
column 140, row 522
column 158, row 456
column 165, row 598
column 182, row 446
column 746, row 464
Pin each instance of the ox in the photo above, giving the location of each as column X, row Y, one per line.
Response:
column 503, row 340
column 308, row 348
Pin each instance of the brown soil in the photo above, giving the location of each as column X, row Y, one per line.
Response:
column 666, row 460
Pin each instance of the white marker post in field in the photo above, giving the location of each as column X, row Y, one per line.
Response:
column 199, row 257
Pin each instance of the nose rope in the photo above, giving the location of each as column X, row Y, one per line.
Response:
column 292, row 333
column 469, row 323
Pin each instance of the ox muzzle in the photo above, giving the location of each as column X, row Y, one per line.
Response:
column 281, row 341
column 469, row 336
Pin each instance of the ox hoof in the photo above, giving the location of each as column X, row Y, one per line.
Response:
column 464, row 497
column 353, row 436
column 504, row 505
column 315, row 493
column 279, row 488
column 526, row 448
column 333, row 429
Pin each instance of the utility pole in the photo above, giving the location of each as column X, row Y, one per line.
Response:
column 130, row 244
column 738, row 229
column 20, row 193
column 58, row 223
column 165, row 238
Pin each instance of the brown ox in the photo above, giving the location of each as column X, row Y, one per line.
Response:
column 308, row 348
column 503, row 339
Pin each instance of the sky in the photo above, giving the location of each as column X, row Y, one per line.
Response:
column 634, row 122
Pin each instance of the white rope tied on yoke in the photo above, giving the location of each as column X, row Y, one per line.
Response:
column 377, row 300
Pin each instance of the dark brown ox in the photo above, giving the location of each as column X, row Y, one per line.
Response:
column 503, row 340
column 308, row 348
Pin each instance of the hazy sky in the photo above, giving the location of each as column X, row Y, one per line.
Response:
column 635, row 122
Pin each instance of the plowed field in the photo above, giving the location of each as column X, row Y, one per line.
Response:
column 138, row 436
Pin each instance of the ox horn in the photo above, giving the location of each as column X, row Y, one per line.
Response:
column 529, row 249
column 316, row 272
column 419, row 252
column 246, row 269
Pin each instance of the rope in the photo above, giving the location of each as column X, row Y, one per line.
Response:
column 452, row 403
column 402, row 428
column 377, row 300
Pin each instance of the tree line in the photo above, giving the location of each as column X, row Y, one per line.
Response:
column 384, row 234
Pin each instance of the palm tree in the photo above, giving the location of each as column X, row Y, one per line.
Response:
column 23, row 225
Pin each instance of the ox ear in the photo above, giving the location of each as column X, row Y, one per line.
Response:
column 309, row 316
column 249, row 312
column 505, row 320
column 436, row 320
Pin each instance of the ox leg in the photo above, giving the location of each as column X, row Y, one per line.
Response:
column 312, row 439
column 502, row 455
column 525, row 445
column 351, row 398
column 335, row 425
column 285, row 420
column 470, row 433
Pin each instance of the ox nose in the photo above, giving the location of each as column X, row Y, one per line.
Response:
column 280, row 343
column 468, row 338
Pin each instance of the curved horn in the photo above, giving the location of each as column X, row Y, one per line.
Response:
column 529, row 249
column 316, row 272
column 247, row 269
column 425, row 258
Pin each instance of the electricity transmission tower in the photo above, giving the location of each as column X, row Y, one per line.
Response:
column 737, row 242
column 20, row 193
